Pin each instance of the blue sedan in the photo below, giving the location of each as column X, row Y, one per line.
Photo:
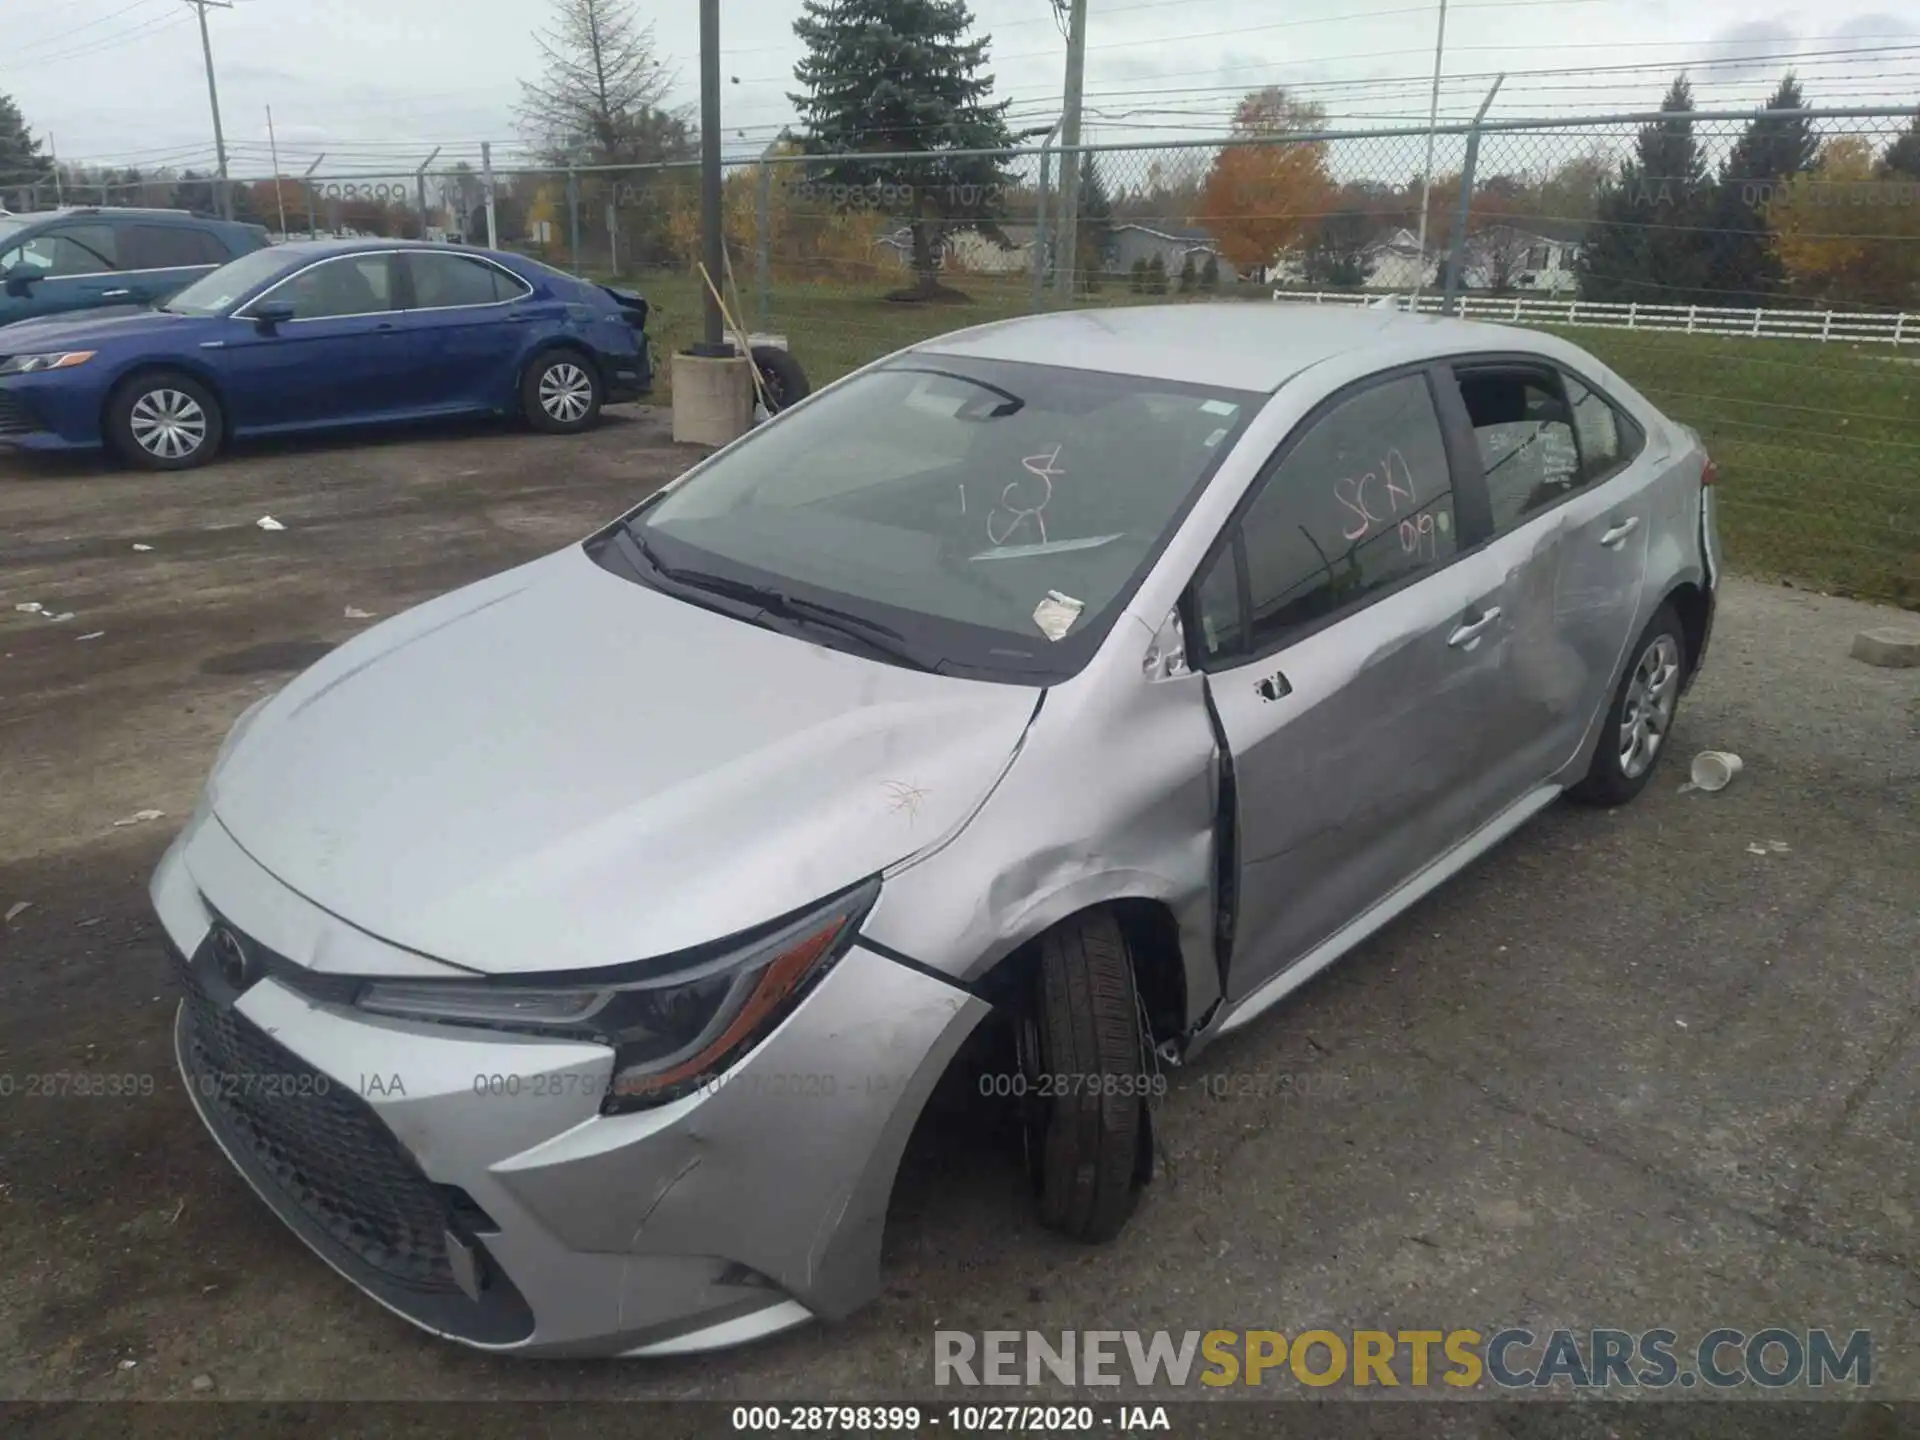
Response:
column 320, row 335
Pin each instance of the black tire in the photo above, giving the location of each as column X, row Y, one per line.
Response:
column 1610, row 779
column 562, row 392
column 165, row 420
column 1088, row 1138
column 781, row 376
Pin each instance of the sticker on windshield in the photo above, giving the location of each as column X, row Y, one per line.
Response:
column 1216, row 437
column 1219, row 407
column 1055, row 614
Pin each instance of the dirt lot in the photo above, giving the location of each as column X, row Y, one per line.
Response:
column 1624, row 1072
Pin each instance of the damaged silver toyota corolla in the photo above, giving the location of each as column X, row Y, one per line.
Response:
column 567, row 960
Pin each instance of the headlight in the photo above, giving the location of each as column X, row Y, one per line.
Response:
column 52, row 360
column 672, row 1023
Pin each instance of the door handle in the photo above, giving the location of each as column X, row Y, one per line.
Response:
column 1617, row 536
column 1469, row 632
column 116, row 294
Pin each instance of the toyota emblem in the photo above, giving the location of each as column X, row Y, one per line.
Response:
column 231, row 959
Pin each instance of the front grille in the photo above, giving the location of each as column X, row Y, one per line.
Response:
column 14, row 416
column 321, row 1146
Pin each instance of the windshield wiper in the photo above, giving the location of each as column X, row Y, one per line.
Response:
column 880, row 638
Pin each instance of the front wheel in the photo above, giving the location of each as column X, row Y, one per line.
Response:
column 165, row 420
column 562, row 393
column 1634, row 735
column 1085, row 1063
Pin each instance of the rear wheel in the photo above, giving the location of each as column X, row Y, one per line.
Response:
column 1634, row 735
column 562, row 392
column 1084, row 1062
column 165, row 420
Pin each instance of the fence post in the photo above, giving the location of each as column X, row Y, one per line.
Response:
column 763, row 242
column 1899, row 325
column 1826, row 328
column 1633, row 314
column 1692, row 312
column 1457, row 251
column 1756, row 320
column 486, row 179
column 573, row 217
column 1040, row 247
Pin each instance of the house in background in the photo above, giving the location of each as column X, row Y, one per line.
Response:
column 1539, row 256
column 1131, row 241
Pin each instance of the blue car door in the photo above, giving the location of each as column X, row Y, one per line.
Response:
column 340, row 360
column 468, row 323
column 59, row 270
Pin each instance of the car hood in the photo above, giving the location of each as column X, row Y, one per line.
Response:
column 558, row 768
column 55, row 332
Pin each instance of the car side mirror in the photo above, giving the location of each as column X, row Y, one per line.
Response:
column 20, row 279
column 271, row 315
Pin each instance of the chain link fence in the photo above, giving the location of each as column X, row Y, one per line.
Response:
column 1759, row 281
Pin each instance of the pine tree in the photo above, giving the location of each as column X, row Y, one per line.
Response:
column 901, row 75
column 21, row 163
column 1743, row 266
column 1645, row 243
column 1903, row 156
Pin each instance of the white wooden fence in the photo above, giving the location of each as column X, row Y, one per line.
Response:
column 1851, row 327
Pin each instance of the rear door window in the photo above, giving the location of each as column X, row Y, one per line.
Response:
column 1524, row 430
column 445, row 282
column 169, row 247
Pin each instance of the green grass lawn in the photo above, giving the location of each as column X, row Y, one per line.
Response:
column 1818, row 445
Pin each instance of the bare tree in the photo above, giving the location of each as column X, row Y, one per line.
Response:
column 601, row 86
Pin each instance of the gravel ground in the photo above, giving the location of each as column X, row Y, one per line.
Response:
column 1623, row 1072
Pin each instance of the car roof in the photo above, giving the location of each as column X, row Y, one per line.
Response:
column 320, row 249
column 1255, row 345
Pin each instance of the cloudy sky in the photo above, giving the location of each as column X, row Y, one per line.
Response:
column 374, row 83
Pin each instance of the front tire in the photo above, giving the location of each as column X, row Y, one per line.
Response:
column 1088, row 1138
column 561, row 393
column 1635, row 734
column 165, row 420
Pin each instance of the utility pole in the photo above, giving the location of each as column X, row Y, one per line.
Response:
column 1426, row 173
column 213, row 95
column 279, row 198
column 714, row 337
column 59, row 192
column 1071, row 160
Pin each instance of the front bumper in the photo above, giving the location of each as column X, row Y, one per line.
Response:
column 468, row 1181
column 47, row 413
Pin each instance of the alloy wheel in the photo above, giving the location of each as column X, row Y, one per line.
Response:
column 1648, row 712
column 566, row 393
column 168, row 424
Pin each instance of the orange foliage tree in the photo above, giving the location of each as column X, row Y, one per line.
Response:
column 1848, row 231
column 1262, row 199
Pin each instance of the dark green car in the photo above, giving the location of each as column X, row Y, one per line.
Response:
column 59, row 261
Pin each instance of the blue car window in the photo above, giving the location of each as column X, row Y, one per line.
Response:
column 445, row 281
column 352, row 285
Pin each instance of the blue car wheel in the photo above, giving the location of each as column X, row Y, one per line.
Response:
column 165, row 420
column 562, row 392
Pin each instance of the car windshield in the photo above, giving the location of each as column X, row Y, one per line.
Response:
column 995, row 516
column 214, row 294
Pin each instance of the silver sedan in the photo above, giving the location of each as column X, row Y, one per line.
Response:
column 567, row 961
